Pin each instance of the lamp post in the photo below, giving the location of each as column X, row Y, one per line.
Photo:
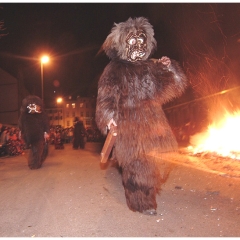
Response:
column 44, row 59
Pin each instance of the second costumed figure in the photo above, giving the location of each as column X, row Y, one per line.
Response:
column 34, row 125
column 131, row 92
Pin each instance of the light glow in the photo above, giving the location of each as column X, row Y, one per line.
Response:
column 44, row 59
column 59, row 100
column 221, row 138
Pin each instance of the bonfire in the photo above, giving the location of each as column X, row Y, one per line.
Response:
column 222, row 138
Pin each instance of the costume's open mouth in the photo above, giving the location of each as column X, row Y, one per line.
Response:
column 137, row 55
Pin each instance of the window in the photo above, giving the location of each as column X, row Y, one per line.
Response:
column 88, row 122
column 73, row 114
column 87, row 114
column 73, row 105
column 81, row 105
column 81, row 114
column 67, row 105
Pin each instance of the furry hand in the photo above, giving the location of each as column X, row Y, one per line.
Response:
column 110, row 123
column 165, row 61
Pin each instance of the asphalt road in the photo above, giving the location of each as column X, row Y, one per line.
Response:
column 73, row 196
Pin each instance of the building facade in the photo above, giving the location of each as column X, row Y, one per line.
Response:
column 12, row 92
column 64, row 114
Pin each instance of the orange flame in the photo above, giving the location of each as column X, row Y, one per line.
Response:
column 222, row 138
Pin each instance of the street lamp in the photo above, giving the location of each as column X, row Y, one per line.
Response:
column 44, row 59
column 59, row 100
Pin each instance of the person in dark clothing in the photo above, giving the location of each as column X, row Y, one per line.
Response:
column 79, row 133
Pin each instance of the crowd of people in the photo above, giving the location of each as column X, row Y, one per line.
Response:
column 11, row 143
column 67, row 134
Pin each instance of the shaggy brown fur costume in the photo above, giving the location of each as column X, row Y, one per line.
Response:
column 131, row 91
column 33, row 123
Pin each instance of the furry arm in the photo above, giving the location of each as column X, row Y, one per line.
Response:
column 172, row 81
column 106, row 108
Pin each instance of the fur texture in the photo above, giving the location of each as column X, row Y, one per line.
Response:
column 133, row 94
column 115, row 44
column 33, row 126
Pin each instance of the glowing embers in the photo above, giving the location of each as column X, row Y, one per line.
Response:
column 222, row 138
column 33, row 108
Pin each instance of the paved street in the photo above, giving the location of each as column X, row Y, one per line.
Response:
column 73, row 196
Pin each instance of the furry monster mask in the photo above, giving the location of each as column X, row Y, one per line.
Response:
column 32, row 104
column 132, row 40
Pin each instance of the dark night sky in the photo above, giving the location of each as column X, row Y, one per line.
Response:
column 72, row 34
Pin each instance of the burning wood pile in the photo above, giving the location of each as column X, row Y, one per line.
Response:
column 217, row 149
column 221, row 139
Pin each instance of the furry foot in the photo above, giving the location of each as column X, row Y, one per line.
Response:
column 151, row 212
column 34, row 167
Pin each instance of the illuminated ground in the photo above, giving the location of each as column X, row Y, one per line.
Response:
column 219, row 165
column 71, row 196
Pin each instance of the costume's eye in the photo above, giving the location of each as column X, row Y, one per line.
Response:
column 141, row 40
column 132, row 41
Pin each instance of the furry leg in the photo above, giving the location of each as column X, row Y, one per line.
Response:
column 35, row 157
column 140, row 180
